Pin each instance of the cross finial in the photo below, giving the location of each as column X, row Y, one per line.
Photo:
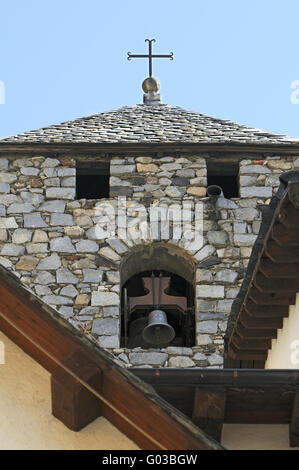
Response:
column 150, row 84
column 150, row 56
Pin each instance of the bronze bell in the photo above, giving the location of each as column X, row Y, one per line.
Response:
column 158, row 331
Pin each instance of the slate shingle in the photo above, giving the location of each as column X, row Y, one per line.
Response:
column 150, row 124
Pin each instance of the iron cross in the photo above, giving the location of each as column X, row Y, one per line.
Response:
column 150, row 56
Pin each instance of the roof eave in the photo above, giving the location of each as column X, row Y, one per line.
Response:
column 123, row 147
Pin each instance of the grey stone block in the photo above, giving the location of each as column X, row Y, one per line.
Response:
column 175, row 191
column 68, row 182
column 61, row 220
column 104, row 298
column 181, row 361
column 45, row 278
column 254, row 169
column 61, row 193
column 205, row 252
column 42, row 290
column 244, row 240
column 4, row 188
column 50, row 163
column 87, row 246
column 8, row 178
column 57, row 300
column 69, row 291
column 117, row 245
column 8, row 222
column 256, row 191
column 110, row 342
column 105, row 326
column 3, row 164
column 62, row 172
column 29, row 171
column 21, row 235
column 32, row 198
column 207, row 327
column 51, row 262
column 210, row 291
column 17, row 208
column 111, row 311
column 66, row 312
column 121, row 169
column 53, row 206
column 224, row 306
column 34, row 220
column 65, row 276
column 62, row 245
column 218, row 238
column 227, row 276
column 181, row 351
column 89, row 311
column 11, row 249
column 36, row 248
column 153, row 358
column 92, row 275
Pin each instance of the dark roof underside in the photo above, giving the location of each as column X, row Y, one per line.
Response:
column 272, row 277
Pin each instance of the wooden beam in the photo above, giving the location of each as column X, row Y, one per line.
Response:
column 208, row 411
column 289, row 216
column 294, row 424
column 285, row 236
column 278, row 270
column 258, row 333
column 273, row 298
column 94, row 149
column 251, row 344
column 248, row 355
column 264, row 284
column 264, row 323
column 266, row 311
column 280, row 254
column 72, row 403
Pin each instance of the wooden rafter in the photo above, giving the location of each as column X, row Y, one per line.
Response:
column 273, row 280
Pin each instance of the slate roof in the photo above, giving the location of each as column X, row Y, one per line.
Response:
column 150, row 124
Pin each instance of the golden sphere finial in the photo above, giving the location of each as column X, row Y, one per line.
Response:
column 150, row 85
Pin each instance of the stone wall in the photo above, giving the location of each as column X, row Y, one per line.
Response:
column 57, row 246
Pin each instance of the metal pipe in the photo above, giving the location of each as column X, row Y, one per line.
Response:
column 214, row 191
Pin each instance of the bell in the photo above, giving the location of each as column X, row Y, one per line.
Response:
column 158, row 331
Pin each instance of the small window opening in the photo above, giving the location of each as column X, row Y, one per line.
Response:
column 226, row 176
column 92, row 183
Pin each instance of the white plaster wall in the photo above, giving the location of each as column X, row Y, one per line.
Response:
column 284, row 353
column 26, row 421
column 256, row 437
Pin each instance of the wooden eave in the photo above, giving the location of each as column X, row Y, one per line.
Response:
column 235, row 396
column 129, row 403
column 271, row 281
column 83, row 148
column 253, row 396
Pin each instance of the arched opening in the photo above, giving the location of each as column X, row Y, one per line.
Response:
column 157, row 297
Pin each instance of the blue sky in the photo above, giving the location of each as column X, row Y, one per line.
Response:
column 233, row 59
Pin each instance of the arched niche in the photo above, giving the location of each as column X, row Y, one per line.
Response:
column 150, row 269
column 157, row 256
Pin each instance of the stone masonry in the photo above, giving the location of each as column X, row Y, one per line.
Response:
column 57, row 247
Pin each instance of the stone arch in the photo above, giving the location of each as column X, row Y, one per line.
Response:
column 158, row 256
